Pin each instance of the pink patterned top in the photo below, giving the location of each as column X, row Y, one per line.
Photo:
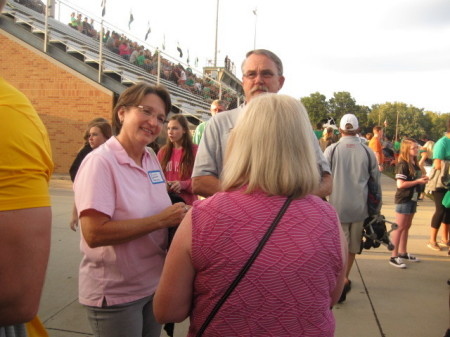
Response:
column 287, row 291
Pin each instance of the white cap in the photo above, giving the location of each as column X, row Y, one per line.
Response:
column 349, row 119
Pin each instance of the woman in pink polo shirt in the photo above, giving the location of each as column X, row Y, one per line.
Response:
column 124, row 211
column 177, row 158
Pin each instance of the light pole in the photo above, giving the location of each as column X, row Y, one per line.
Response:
column 217, row 31
column 256, row 17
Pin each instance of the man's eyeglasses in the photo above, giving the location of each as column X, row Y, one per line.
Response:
column 148, row 112
column 265, row 74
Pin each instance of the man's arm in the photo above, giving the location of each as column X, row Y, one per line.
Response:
column 24, row 248
column 326, row 182
column 205, row 186
column 326, row 185
column 208, row 161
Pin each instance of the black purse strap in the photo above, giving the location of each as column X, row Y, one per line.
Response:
column 245, row 268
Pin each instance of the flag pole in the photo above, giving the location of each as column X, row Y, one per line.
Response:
column 254, row 39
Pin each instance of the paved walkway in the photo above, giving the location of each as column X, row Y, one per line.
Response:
column 384, row 301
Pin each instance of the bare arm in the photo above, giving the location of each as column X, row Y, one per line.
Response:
column 205, row 186
column 173, row 298
column 99, row 230
column 326, row 186
column 437, row 164
column 336, row 293
column 74, row 220
column 24, row 252
column 407, row 184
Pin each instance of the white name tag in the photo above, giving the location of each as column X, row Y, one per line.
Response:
column 156, row 177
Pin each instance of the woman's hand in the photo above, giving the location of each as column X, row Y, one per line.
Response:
column 423, row 180
column 173, row 215
column 74, row 224
column 174, row 186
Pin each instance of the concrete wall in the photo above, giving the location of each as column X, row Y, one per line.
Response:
column 65, row 100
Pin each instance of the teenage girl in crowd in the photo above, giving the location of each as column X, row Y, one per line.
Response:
column 407, row 173
column 98, row 131
column 177, row 158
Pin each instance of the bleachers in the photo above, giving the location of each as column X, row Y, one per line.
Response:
column 86, row 49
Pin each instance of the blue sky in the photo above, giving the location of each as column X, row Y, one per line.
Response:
column 379, row 51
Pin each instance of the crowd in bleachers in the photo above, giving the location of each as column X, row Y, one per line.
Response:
column 137, row 54
column 183, row 77
column 36, row 5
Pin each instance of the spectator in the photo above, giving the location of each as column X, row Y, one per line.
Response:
column 124, row 50
column 319, row 130
column 182, row 77
column 124, row 212
column 25, row 212
column 426, row 156
column 73, row 21
column 425, row 162
column 134, row 55
column 328, row 138
column 262, row 72
column 406, row 176
column 352, row 164
column 97, row 132
column 441, row 154
column 375, row 145
column 177, row 158
column 217, row 106
column 216, row 239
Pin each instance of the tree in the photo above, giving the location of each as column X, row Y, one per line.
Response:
column 411, row 120
column 317, row 106
column 342, row 103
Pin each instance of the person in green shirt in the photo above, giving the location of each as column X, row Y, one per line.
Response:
column 217, row 106
column 319, row 130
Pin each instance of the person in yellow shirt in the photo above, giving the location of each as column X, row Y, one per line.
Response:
column 25, row 214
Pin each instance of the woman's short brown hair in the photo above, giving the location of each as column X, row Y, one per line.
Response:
column 134, row 95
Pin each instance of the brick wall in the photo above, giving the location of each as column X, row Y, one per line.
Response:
column 64, row 99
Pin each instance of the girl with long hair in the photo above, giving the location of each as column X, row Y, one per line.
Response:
column 177, row 158
column 407, row 176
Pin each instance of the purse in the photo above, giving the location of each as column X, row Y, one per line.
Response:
column 439, row 178
column 245, row 268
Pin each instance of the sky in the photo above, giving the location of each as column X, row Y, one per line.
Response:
column 378, row 51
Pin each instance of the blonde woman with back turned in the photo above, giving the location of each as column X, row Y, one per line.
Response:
column 306, row 253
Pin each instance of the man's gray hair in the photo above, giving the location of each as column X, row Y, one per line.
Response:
column 267, row 53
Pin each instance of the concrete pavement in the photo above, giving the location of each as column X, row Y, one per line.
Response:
column 384, row 301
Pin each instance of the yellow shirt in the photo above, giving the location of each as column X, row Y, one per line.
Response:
column 25, row 153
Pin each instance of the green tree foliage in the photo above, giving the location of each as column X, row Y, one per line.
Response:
column 412, row 122
column 342, row 103
column 317, row 106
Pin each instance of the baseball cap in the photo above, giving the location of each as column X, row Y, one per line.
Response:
column 349, row 119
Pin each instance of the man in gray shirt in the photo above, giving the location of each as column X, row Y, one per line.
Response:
column 262, row 72
column 349, row 161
